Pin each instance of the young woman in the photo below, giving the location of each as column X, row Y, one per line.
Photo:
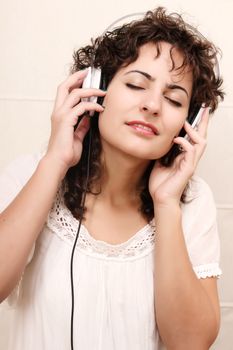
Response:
column 147, row 255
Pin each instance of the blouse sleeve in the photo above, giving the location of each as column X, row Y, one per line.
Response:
column 200, row 229
column 12, row 180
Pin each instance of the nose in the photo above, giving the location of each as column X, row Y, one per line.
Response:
column 151, row 104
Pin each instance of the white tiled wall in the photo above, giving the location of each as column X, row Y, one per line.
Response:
column 216, row 167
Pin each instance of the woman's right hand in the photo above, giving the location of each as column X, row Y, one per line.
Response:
column 65, row 144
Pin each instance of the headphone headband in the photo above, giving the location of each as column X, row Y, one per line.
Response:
column 136, row 14
column 113, row 24
column 94, row 77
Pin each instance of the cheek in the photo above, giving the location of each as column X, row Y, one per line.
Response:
column 112, row 98
column 103, row 123
column 106, row 118
column 174, row 125
column 107, row 124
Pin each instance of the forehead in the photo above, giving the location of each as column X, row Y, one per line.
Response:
column 165, row 56
column 166, row 50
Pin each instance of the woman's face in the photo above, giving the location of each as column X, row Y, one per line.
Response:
column 146, row 104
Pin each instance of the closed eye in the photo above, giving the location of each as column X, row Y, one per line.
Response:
column 134, row 87
column 174, row 102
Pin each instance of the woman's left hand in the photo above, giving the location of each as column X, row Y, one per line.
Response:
column 166, row 184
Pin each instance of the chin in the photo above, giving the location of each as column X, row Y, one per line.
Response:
column 142, row 154
column 135, row 149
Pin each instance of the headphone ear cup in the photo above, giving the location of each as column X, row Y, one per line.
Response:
column 92, row 80
column 87, row 80
column 95, row 78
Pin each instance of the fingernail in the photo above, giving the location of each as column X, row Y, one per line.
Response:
column 84, row 70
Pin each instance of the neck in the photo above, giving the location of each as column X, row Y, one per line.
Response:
column 121, row 177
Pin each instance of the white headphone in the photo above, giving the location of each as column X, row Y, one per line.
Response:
column 92, row 80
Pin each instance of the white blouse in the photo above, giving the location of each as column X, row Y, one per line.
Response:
column 114, row 284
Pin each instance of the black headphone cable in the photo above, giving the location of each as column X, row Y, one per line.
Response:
column 75, row 242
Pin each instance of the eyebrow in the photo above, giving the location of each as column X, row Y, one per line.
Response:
column 150, row 78
column 174, row 87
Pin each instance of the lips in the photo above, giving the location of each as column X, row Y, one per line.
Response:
column 144, row 127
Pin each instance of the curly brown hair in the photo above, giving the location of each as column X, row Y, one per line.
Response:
column 119, row 48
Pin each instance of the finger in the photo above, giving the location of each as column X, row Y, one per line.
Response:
column 85, row 107
column 193, row 152
column 185, row 162
column 75, row 96
column 63, row 90
column 177, row 160
column 203, row 126
column 82, row 128
column 74, row 80
column 193, row 134
column 184, row 144
column 186, row 147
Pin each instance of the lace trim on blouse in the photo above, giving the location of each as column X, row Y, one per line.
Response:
column 64, row 224
column 208, row 270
